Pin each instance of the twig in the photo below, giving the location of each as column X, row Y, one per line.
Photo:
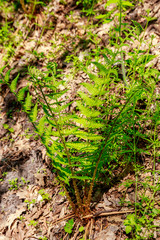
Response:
column 98, row 214
column 91, row 229
column 76, row 233
column 64, row 218
column 65, row 236
column 105, row 213
column 87, row 230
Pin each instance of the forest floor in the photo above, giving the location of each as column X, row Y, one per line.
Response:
column 31, row 203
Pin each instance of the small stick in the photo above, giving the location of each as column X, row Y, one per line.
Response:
column 104, row 213
column 76, row 233
column 99, row 214
column 87, row 230
column 65, row 236
column 64, row 218
column 91, row 229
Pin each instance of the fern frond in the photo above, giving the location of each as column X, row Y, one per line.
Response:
column 48, row 131
column 90, row 101
column 34, row 113
column 66, row 132
column 40, row 126
column 88, row 112
column 20, row 95
column 55, row 95
column 6, row 77
column 87, row 123
column 108, row 61
column 65, row 119
column 95, row 78
column 47, row 112
column 2, row 69
column 88, row 136
column 83, row 178
column 13, row 84
column 82, row 147
column 91, row 88
column 28, row 103
column 60, row 108
column 59, row 160
column 103, row 70
column 64, row 174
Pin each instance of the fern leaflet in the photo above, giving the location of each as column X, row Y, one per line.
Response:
column 14, row 84
column 28, row 103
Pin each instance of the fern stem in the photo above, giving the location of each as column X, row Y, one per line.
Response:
column 100, row 155
column 68, row 197
column 123, row 70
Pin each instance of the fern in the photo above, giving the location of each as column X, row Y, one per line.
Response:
column 80, row 144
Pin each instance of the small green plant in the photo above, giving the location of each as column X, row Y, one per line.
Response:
column 33, row 223
column 42, row 170
column 14, row 184
column 6, row 126
column 4, row 174
column 30, row 203
column 141, row 225
column 21, row 218
column 24, row 181
column 5, row 34
column 131, row 224
column 81, row 229
column 62, row 194
column 43, row 238
column 39, row 56
column 69, row 226
column 45, row 196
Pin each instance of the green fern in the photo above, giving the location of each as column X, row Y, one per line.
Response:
column 82, row 143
